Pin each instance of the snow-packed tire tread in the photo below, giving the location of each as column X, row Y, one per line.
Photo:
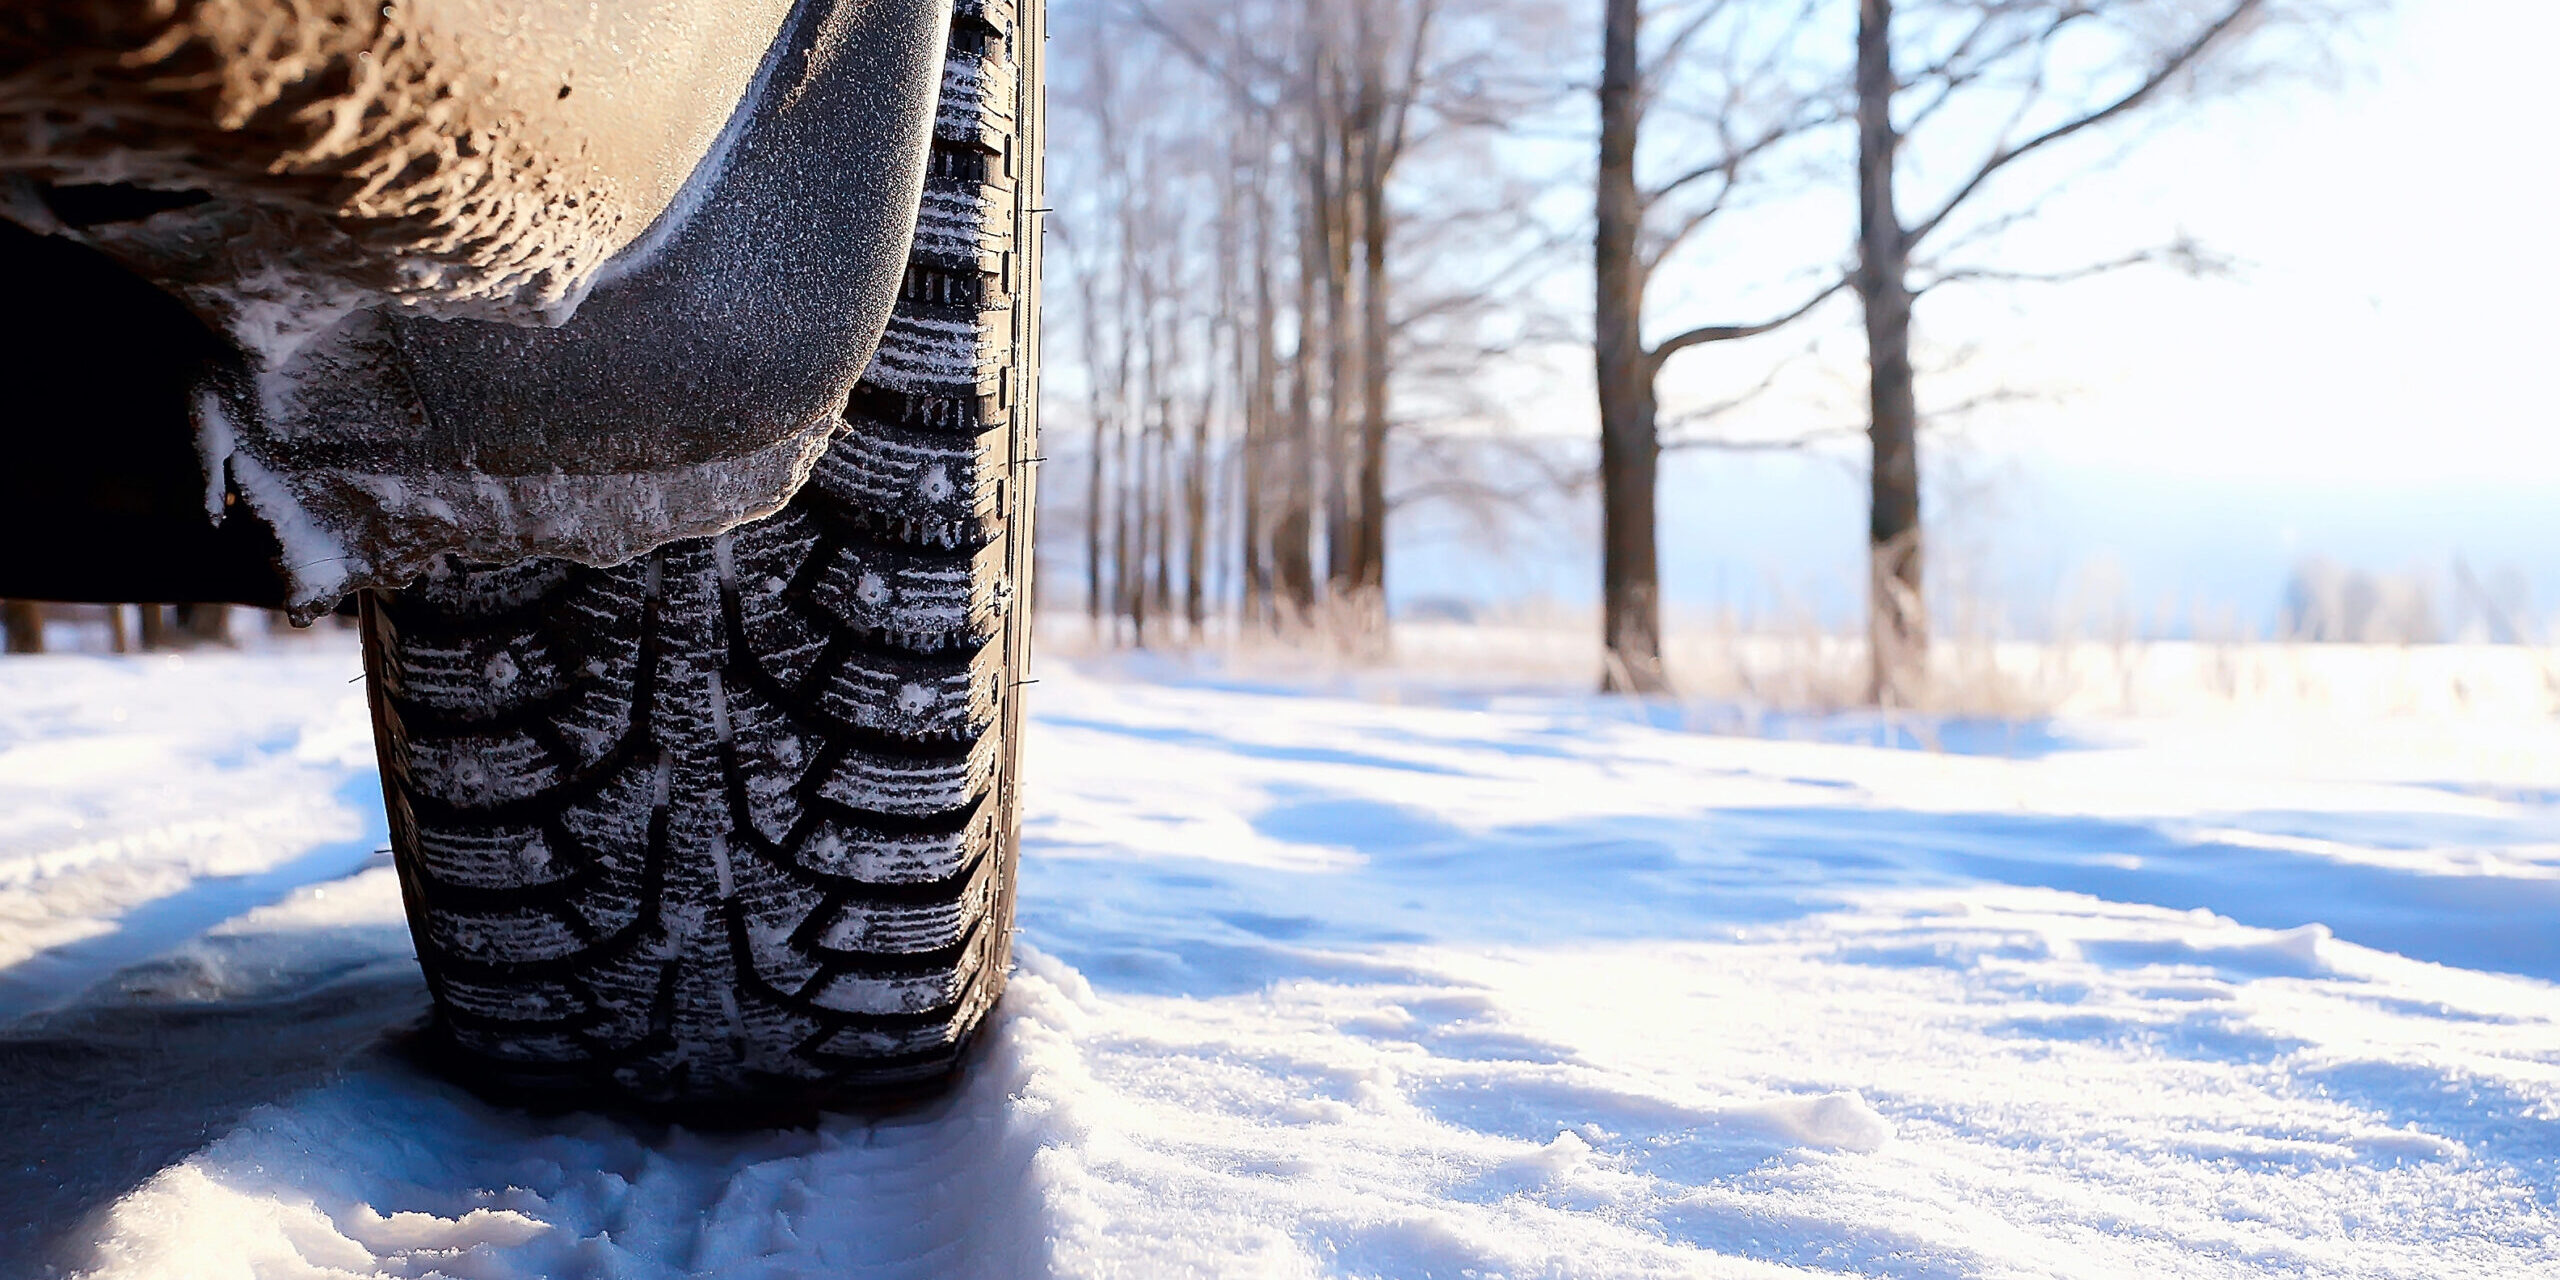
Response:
column 734, row 821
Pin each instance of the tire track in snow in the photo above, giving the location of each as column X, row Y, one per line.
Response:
column 389, row 1172
column 57, row 975
column 146, row 800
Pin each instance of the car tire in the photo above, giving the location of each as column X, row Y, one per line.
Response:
column 732, row 825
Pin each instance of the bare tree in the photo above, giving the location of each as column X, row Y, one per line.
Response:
column 1136, row 230
column 1743, row 49
column 1246, row 331
column 1392, row 46
column 24, row 625
column 2046, row 72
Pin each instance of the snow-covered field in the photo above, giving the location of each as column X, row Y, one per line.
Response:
column 1457, row 985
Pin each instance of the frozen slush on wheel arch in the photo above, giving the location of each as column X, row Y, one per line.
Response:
column 731, row 825
column 489, row 279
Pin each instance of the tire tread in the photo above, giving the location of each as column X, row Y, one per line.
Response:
column 734, row 821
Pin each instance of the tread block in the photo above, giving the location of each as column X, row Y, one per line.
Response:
column 972, row 287
column 772, row 758
column 773, row 1033
column 705, row 1017
column 478, row 678
column 969, row 413
column 771, row 909
column 909, row 785
column 503, row 936
column 915, row 599
column 937, row 351
column 976, row 106
column 917, row 486
column 454, row 592
column 543, row 1000
column 480, row 771
column 780, row 647
column 921, row 699
column 622, row 996
column 612, row 826
column 953, row 223
column 919, row 990
column 516, row 856
column 996, row 15
column 612, row 900
column 845, row 850
column 592, row 726
column 775, row 548
column 863, row 927
column 601, row 608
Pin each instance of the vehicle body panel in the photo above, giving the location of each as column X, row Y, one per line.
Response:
column 489, row 279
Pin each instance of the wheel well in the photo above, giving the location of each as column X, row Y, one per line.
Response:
column 102, row 493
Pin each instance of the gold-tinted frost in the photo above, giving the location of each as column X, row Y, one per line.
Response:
column 429, row 155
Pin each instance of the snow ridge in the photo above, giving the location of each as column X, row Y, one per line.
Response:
column 1514, row 986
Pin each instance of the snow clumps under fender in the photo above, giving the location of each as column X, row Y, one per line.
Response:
column 503, row 280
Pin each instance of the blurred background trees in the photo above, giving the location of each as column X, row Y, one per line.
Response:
column 119, row 628
column 1326, row 269
column 1316, row 265
column 1977, row 90
column 1280, row 235
column 1726, row 75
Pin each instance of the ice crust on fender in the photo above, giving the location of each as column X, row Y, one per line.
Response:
column 318, row 156
column 474, row 318
column 686, row 395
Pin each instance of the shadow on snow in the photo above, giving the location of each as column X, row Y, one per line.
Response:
column 1199, row 927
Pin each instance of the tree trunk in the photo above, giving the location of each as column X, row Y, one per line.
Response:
column 1368, row 585
column 1136, row 573
column 1195, row 521
column 1093, row 517
column 1630, row 452
column 1293, row 527
column 1253, row 601
column 1160, row 598
column 1123, row 500
column 23, row 620
column 1897, row 623
column 155, row 626
column 205, row 623
column 1260, row 418
column 1340, row 351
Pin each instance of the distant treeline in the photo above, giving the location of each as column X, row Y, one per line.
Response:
column 1298, row 243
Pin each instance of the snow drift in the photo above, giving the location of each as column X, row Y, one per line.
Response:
column 1317, row 986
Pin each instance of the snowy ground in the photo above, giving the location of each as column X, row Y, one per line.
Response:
column 1316, row 985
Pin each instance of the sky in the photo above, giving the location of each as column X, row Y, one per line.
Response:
column 2363, row 386
column 2390, row 313
column 2381, row 317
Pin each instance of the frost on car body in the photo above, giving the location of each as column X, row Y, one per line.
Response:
column 489, row 279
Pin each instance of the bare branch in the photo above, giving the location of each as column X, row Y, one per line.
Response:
column 1961, row 67
column 1211, row 65
column 1938, row 419
column 1731, row 332
column 1711, row 412
column 2183, row 254
column 1653, row 251
column 1649, row 81
column 2160, row 76
column 1781, row 444
column 1402, row 111
column 1729, row 163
